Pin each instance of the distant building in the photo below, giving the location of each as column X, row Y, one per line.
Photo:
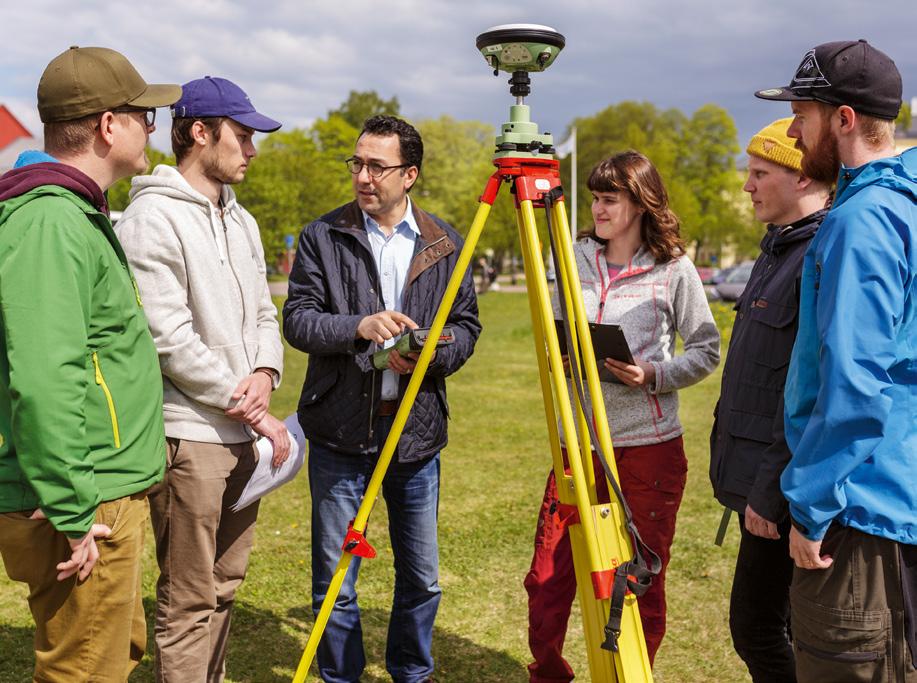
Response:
column 14, row 139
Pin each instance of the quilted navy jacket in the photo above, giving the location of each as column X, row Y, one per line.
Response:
column 747, row 448
column 334, row 284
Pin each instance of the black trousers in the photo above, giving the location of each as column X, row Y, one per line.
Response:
column 759, row 607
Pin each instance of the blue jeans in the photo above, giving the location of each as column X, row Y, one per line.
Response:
column 411, row 491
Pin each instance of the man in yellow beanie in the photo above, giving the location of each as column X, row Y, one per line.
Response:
column 747, row 448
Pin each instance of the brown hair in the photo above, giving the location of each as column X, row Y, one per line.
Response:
column 632, row 173
column 65, row 138
column 182, row 142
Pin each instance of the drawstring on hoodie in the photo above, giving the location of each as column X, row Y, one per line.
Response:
column 217, row 229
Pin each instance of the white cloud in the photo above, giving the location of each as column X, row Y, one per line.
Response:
column 299, row 59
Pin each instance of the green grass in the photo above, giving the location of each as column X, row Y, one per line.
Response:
column 493, row 477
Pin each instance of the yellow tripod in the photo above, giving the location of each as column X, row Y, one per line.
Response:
column 603, row 555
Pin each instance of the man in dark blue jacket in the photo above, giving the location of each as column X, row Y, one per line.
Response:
column 851, row 390
column 363, row 274
column 747, row 448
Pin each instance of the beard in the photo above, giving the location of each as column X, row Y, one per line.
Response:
column 821, row 163
column 220, row 170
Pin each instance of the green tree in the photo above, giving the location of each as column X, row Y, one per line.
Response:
column 695, row 157
column 617, row 128
column 361, row 104
column 903, row 122
column 293, row 181
column 706, row 164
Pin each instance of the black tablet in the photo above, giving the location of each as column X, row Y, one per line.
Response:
column 608, row 341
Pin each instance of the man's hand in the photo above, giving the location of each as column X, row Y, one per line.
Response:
column 757, row 525
column 807, row 554
column 632, row 375
column 276, row 431
column 384, row 325
column 83, row 554
column 402, row 365
column 253, row 396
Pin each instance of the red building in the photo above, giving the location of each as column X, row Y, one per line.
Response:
column 14, row 138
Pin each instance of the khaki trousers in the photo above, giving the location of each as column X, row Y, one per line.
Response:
column 202, row 548
column 850, row 621
column 92, row 630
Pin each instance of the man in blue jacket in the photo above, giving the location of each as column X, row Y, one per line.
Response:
column 363, row 274
column 851, row 392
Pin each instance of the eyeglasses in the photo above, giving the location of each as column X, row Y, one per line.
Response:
column 149, row 115
column 355, row 165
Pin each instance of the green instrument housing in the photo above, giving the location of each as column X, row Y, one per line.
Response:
column 520, row 47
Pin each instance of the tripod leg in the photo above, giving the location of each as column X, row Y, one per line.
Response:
column 401, row 417
column 544, row 322
column 544, row 370
column 631, row 664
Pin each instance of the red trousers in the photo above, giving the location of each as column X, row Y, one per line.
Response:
column 652, row 479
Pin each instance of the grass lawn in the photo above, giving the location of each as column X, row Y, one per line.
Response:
column 493, row 477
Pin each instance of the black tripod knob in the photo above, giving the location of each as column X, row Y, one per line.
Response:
column 520, row 84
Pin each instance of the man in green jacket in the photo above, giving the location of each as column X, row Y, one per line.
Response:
column 81, row 431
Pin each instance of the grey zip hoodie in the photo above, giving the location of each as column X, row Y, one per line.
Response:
column 652, row 302
column 203, row 283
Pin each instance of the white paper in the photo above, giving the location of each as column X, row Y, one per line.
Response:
column 266, row 478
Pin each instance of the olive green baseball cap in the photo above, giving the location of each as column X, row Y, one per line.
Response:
column 90, row 80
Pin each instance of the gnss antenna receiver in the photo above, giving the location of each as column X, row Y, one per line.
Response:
column 521, row 49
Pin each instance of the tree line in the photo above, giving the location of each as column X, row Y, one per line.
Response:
column 299, row 174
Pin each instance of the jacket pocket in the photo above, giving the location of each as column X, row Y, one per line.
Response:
column 315, row 391
column 840, row 644
column 749, row 436
column 103, row 385
column 778, row 334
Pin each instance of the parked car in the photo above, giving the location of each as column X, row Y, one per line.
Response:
column 707, row 274
column 722, row 274
column 732, row 287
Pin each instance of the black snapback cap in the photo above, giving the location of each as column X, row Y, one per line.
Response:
column 850, row 72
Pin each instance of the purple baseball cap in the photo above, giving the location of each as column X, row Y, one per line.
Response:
column 207, row 97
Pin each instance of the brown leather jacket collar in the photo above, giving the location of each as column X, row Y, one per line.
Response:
column 434, row 246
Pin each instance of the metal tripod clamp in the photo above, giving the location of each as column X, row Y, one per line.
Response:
column 355, row 543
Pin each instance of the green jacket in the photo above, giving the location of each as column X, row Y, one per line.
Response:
column 80, row 387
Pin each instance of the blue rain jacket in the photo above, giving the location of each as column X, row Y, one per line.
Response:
column 851, row 390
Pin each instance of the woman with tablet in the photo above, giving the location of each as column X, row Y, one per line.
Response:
column 634, row 273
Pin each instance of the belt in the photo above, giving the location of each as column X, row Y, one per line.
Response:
column 387, row 408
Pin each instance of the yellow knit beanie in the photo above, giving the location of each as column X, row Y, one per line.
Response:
column 772, row 144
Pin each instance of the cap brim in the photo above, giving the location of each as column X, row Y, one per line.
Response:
column 256, row 121
column 781, row 95
column 157, row 96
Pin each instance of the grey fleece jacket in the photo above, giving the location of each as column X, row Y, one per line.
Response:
column 652, row 302
column 203, row 283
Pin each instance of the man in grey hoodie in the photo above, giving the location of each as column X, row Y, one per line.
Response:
column 199, row 264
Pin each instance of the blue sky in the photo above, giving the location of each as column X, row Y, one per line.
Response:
column 297, row 60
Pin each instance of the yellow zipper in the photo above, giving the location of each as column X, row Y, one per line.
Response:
column 136, row 291
column 100, row 380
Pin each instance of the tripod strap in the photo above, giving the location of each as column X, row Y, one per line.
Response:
column 637, row 574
